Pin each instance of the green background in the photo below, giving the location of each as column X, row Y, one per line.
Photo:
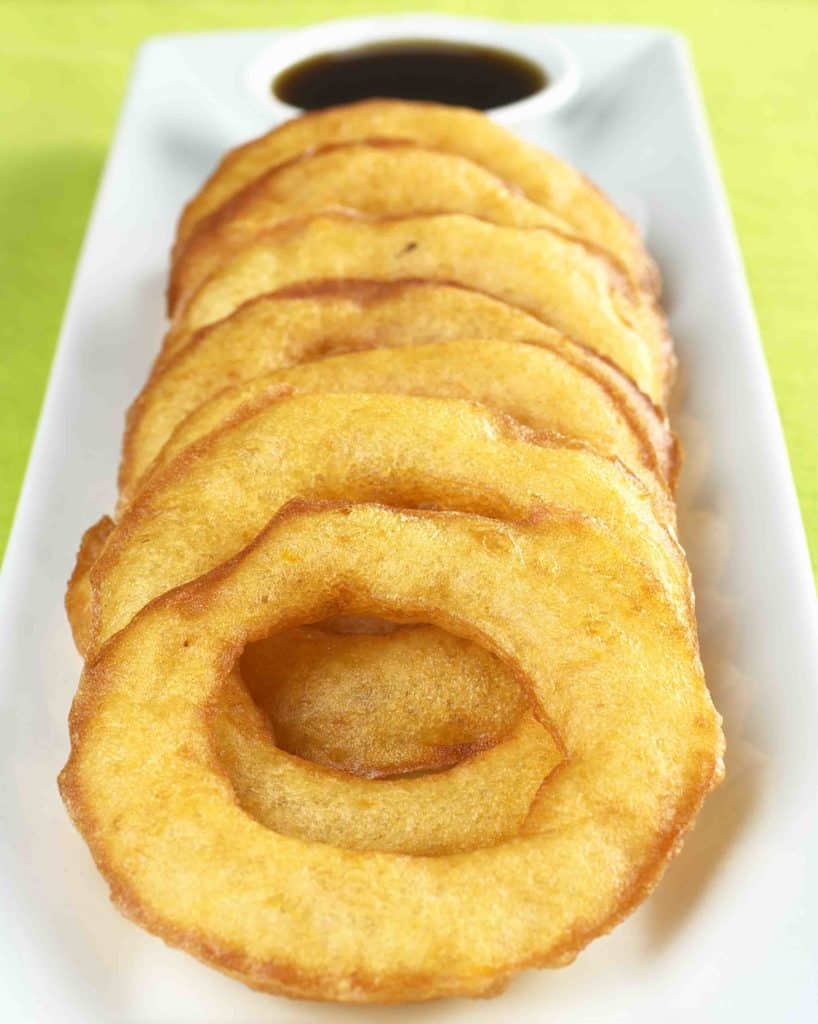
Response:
column 63, row 72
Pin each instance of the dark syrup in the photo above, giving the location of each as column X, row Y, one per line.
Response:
column 471, row 76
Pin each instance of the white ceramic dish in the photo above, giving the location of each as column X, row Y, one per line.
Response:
column 544, row 51
column 732, row 933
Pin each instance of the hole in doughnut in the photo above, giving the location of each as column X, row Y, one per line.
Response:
column 380, row 699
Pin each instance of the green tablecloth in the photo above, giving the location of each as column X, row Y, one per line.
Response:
column 62, row 76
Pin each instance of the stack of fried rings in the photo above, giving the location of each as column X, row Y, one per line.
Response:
column 392, row 686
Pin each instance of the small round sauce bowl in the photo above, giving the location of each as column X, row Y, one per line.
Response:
column 558, row 71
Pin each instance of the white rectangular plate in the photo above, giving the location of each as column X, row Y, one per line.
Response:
column 731, row 935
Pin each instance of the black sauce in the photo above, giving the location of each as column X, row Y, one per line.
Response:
column 471, row 76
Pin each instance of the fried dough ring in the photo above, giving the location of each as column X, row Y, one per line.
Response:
column 534, row 385
column 416, row 699
column 287, row 328
column 535, row 269
column 379, row 178
column 215, row 496
column 542, row 177
column 610, row 663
